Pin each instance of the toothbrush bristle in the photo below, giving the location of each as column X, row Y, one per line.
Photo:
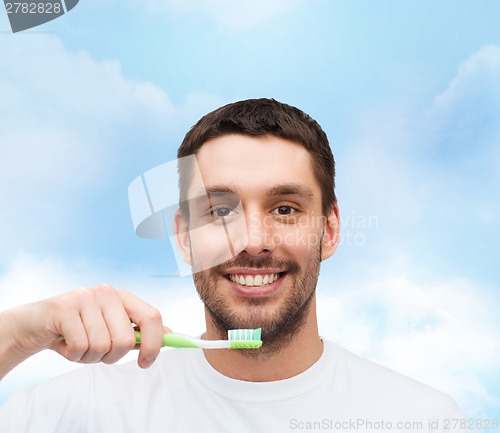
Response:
column 245, row 338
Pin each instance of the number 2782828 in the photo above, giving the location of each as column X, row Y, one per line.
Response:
column 33, row 8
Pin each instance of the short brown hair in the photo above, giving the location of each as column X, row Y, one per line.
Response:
column 259, row 117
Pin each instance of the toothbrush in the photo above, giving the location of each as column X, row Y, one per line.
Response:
column 237, row 339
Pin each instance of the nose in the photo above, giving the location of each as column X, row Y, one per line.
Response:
column 260, row 235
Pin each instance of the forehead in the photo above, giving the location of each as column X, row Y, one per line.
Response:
column 254, row 164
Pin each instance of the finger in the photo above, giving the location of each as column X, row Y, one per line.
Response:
column 73, row 343
column 166, row 330
column 120, row 330
column 150, row 323
column 97, row 333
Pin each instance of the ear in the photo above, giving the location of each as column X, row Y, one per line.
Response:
column 331, row 234
column 181, row 230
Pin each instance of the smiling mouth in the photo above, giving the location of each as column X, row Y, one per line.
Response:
column 255, row 280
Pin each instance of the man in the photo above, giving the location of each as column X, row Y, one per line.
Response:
column 269, row 165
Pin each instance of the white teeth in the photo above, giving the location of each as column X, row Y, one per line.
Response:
column 253, row 280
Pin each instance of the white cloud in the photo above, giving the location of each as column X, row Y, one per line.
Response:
column 475, row 85
column 463, row 133
column 233, row 14
column 464, row 119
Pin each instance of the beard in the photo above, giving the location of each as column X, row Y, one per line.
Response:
column 279, row 327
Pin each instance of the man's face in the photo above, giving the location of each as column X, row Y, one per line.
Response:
column 262, row 202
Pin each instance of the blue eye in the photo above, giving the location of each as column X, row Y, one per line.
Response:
column 222, row 212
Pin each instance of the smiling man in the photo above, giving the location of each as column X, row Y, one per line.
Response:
column 266, row 194
column 270, row 282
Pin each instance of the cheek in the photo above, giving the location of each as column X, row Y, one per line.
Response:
column 298, row 240
column 305, row 234
column 210, row 246
column 215, row 243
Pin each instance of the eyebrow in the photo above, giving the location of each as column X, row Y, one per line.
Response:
column 275, row 190
column 290, row 189
column 217, row 189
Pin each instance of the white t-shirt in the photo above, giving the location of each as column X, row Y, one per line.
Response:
column 181, row 392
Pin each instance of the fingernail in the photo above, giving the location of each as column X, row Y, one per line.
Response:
column 146, row 362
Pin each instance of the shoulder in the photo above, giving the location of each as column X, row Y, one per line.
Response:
column 362, row 371
column 374, row 384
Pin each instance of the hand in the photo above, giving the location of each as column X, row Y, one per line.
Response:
column 95, row 323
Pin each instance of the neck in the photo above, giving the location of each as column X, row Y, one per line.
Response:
column 297, row 356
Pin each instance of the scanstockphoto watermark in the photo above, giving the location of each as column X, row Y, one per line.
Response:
column 24, row 15
column 363, row 424
column 358, row 424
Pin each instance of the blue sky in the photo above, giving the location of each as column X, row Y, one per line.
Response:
column 408, row 92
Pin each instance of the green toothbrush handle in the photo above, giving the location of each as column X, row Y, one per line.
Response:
column 171, row 339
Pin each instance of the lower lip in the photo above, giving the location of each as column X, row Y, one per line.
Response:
column 254, row 291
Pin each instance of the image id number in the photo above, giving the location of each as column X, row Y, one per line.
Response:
column 33, row 8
